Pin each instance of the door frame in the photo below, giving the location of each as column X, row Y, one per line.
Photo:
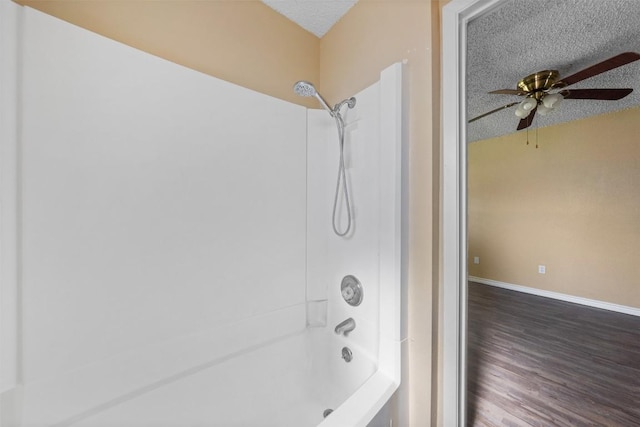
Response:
column 455, row 17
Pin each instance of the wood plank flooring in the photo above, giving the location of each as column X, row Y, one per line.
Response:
column 535, row 361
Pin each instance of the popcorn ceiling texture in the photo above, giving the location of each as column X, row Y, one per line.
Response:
column 519, row 38
column 522, row 37
column 315, row 16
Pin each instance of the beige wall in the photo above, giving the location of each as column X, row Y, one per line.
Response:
column 243, row 42
column 573, row 205
column 246, row 43
column 373, row 35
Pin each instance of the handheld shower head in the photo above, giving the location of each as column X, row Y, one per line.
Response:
column 303, row 88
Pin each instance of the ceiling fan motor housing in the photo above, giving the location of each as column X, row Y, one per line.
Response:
column 538, row 84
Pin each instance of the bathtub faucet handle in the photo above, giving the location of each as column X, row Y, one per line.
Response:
column 345, row 327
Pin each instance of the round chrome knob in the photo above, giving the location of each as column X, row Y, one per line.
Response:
column 351, row 290
column 346, row 354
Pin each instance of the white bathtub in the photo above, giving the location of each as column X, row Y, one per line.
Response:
column 288, row 376
column 288, row 382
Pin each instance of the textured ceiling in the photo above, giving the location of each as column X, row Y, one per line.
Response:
column 525, row 36
column 315, row 16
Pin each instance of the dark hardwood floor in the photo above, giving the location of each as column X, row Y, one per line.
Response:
column 534, row 361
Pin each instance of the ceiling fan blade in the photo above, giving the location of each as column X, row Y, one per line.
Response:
column 508, row 92
column 526, row 122
column 594, row 70
column 604, row 94
column 493, row 111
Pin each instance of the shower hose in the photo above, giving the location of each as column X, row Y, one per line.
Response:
column 342, row 178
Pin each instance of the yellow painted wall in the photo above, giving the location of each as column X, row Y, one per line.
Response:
column 572, row 205
column 243, row 42
column 373, row 35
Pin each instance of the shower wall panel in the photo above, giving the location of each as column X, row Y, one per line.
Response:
column 9, row 16
column 156, row 203
column 332, row 257
column 372, row 251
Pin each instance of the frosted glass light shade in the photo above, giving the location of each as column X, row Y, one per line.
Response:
column 552, row 100
column 520, row 112
column 528, row 104
column 543, row 110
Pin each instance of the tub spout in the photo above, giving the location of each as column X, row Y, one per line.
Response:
column 345, row 327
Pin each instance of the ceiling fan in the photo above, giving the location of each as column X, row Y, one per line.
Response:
column 545, row 89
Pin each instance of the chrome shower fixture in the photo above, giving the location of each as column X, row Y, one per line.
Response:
column 303, row 88
column 351, row 102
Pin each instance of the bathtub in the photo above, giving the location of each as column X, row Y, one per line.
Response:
column 290, row 377
column 283, row 383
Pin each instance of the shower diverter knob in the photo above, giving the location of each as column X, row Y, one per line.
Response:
column 348, row 293
column 351, row 290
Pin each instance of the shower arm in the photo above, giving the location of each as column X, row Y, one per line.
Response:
column 335, row 111
column 325, row 105
column 351, row 102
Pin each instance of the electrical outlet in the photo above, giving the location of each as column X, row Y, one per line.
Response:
column 542, row 269
column 476, row 260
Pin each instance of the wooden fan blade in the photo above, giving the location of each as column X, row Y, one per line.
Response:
column 526, row 122
column 508, row 92
column 604, row 94
column 493, row 111
column 594, row 70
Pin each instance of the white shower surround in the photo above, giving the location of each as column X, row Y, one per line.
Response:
column 129, row 290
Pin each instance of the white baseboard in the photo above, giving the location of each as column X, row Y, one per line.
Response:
column 557, row 295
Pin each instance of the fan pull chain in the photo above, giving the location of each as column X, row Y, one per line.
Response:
column 536, row 136
column 527, row 136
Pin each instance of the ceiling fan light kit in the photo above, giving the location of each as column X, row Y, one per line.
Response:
column 537, row 89
column 552, row 100
column 543, row 110
column 521, row 112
